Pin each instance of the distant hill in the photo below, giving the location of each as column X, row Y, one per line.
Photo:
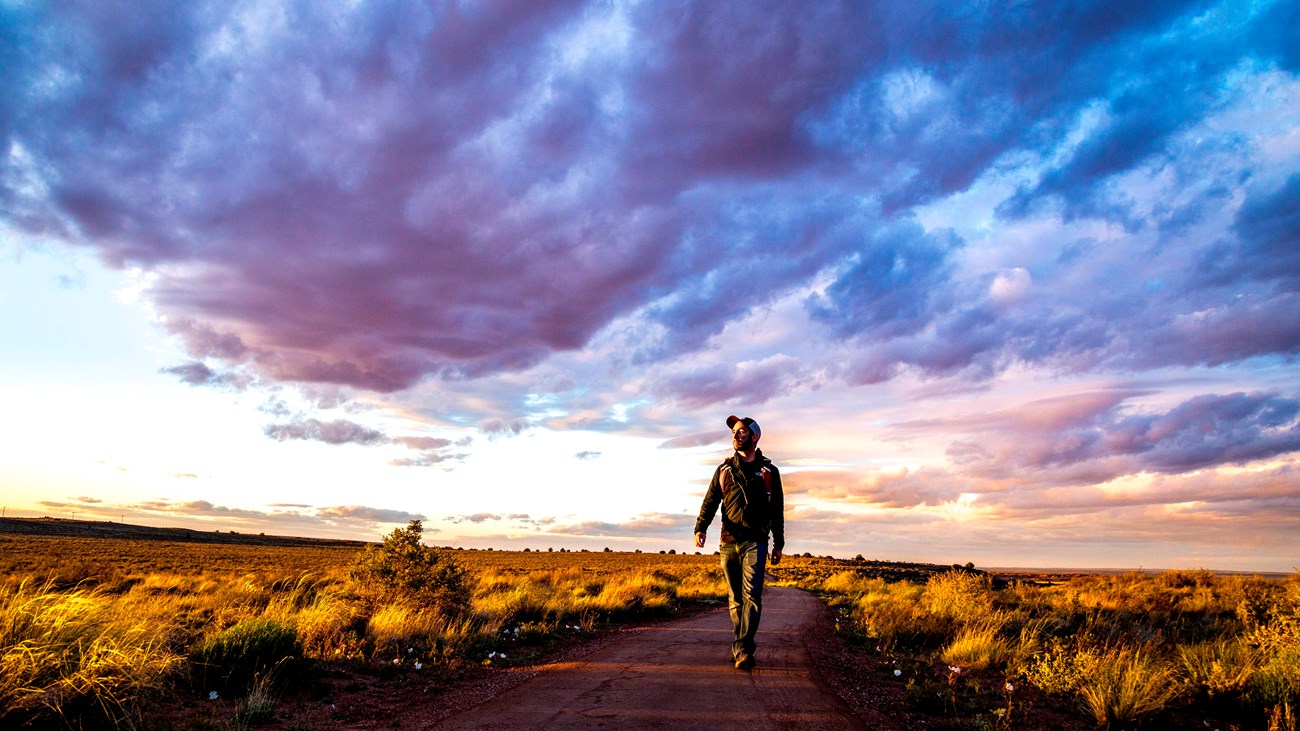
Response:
column 101, row 529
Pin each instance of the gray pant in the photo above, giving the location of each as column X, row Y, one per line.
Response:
column 743, row 563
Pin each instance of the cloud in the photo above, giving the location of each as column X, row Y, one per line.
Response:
column 197, row 373
column 196, row 508
column 501, row 427
column 587, row 455
column 363, row 513
column 335, row 432
column 486, row 517
column 433, row 451
column 1266, row 245
column 893, row 286
column 1094, row 437
column 546, row 175
column 692, row 440
column 646, row 525
column 901, row 488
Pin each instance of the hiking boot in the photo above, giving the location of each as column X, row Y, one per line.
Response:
column 744, row 661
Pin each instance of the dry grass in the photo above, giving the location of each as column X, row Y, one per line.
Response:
column 178, row 618
column 1121, row 649
column 1116, row 650
column 1126, row 685
column 70, row 653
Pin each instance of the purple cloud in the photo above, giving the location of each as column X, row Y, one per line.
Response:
column 197, row 373
column 1093, row 438
column 340, row 431
column 439, row 193
column 374, row 515
column 647, row 525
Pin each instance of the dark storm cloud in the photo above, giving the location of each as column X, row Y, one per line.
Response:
column 1267, row 241
column 895, row 285
column 383, row 193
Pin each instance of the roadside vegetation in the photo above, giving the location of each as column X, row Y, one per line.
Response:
column 1179, row 649
column 105, row 632
column 102, row 643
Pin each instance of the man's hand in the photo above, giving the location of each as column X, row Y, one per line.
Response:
column 699, row 540
column 776, row 557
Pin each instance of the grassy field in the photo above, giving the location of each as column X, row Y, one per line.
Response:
column 101, row 623
column 1178, row 649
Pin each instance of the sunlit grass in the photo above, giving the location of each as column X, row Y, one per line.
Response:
column 1125, row 685
column 1120, row 649
column 96, row 654
column 78, row 652
column 980, row 645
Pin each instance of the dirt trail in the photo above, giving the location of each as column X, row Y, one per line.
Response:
column 678, row 675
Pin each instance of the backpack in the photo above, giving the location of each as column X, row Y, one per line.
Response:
column 766, row 471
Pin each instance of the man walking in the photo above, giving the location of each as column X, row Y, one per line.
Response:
column 748, row 487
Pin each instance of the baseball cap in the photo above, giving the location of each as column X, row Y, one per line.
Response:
column 748, row 422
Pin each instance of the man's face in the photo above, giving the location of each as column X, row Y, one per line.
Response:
column 742, row 440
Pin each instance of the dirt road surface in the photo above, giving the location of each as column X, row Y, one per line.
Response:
column 678, row 675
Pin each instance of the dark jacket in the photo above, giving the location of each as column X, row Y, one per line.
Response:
column 748, row 513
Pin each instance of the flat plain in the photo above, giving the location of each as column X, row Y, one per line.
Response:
column 105, row 625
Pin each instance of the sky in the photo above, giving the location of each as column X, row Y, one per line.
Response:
column 1015, row 284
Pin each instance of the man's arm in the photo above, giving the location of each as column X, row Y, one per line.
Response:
column 712, row 498
column 777, row 506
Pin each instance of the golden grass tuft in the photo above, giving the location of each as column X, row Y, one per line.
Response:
column 77, row 651
column 1126, row 685
column 980, row 645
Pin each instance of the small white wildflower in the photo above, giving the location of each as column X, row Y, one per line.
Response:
column 492, row 654
column 397, row 661
column 418, row 666
column 955, row 670
column 1010, row 687
column 409, row 650
column 898, row 673
column 212, row 696
column 878, row 649
column 503, row 656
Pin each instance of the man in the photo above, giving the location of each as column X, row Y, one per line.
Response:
column 748, row 488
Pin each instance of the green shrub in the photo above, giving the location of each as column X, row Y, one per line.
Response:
column 236, row 656
column 404, row 569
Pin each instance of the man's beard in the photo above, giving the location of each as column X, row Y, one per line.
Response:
column 745, row 445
